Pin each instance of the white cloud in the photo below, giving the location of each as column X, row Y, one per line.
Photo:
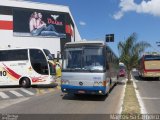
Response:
column 82, row 23
column 118, row 15
column 151, row 7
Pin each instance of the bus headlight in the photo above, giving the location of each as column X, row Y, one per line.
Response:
column 100, row 92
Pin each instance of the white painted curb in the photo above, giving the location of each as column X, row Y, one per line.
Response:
column 122, row 98
column 142, row 107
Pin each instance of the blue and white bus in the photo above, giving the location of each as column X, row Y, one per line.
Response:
column 88, row 67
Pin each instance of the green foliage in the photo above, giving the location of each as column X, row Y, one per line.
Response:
column 130, row 51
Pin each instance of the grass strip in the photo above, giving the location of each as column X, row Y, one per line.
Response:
column 130, row 104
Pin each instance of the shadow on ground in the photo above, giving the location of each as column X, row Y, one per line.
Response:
column 146, row 79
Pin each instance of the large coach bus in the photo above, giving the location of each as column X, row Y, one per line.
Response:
column 149, row 65
column 26, row 67
column 88, row 68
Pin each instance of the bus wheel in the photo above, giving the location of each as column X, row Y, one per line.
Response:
column 25, row 83
column 76, row 94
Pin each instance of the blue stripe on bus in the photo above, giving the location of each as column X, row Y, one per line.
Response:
column 87, row 89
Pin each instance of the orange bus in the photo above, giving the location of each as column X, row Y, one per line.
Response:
column 149, row 66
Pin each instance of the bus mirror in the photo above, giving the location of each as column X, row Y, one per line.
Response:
column 58, row 56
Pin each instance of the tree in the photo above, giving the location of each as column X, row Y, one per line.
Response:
column 130, row 51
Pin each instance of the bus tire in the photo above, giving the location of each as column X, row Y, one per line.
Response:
column 25, row 83
column 76, row 94
column 107, row 94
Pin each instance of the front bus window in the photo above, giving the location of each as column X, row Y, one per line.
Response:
column 94, row 58
column 72, row 58
column 83, row 59
column 38, row 61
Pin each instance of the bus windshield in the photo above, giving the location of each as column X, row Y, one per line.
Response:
column 84, row 59
column 48, row 54
column 152, row 57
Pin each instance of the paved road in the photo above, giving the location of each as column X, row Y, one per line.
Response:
column 149, row 90
column 17, row 92
column 56, row 102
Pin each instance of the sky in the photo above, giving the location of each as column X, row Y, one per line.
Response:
column 96, row 18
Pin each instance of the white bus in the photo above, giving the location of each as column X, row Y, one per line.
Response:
column 26, row 67
column 89, row 67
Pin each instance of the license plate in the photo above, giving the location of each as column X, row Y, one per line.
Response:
column 80, row 91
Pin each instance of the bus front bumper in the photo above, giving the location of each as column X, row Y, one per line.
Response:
column 99, row 90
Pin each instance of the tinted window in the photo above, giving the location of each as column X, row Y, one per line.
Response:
column 13, row 55
column 152, row 57
column 48, row 54
column 38, row 61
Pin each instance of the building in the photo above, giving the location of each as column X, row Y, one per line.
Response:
column 17, row 28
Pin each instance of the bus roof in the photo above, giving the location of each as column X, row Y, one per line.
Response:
column 100, row 43
column 19, row 48
column 86, row 42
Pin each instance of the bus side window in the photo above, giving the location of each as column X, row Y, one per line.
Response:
column 107, row 60
column 107, row 65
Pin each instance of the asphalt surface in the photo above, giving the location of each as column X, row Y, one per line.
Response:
column 149, row 90
column 13, row 92
column 56, row 102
